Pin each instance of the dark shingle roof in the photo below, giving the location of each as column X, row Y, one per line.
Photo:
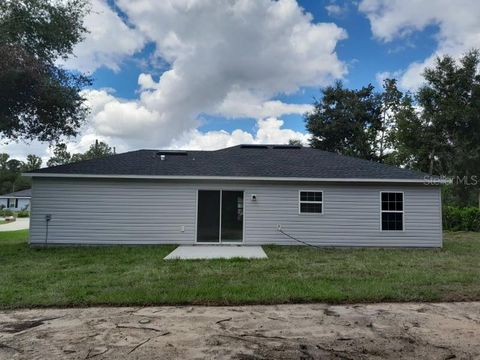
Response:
column 21, row 193
column 275, row 161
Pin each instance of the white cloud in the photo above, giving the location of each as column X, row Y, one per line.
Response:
column 146, row 82
column 20, row 150
column 219, row 51
column 244, row 104
column 131, row 116
column 457, row 22
column 225, row 58
column 108, row 42
column 381, row 76
column 335, row 10
column 269, row 131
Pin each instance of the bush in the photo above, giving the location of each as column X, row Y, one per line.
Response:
column 461, row 219
column 23, row 214
column 6, row 212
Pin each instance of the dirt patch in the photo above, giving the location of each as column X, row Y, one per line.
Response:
column 18, row 326
column 315, row 331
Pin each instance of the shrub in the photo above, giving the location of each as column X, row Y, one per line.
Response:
column 461, row 219
column 6, row 212
column 23, row 214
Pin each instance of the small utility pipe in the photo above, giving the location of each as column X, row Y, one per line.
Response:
column 48, row 217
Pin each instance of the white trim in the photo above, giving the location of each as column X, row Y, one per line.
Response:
column 300, row 202
column 243, row 178
column 393, row 211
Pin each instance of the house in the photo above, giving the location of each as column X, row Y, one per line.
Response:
column 246, row 194
column 16, row 201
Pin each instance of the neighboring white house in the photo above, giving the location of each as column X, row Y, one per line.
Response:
column 246, row 194
column 16, row 201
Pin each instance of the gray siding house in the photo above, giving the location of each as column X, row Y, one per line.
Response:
column 246, row 194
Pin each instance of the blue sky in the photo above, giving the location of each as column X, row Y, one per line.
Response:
column 364, row 55
column 208, row 74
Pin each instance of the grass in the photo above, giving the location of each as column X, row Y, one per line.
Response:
column 83, row 276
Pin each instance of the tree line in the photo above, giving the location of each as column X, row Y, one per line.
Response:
column 11, row 170
column 435, row 129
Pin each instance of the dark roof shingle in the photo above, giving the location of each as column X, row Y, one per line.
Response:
column 238, row 161
column 22, row 193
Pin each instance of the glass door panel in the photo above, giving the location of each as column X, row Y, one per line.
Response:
column 208, row 216
column 232, row 216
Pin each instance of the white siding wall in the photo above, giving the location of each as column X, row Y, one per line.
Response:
column 4, row 202
column 153, row 212
column 22, row 204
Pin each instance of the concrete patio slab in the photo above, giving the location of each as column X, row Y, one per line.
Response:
column 190, row 252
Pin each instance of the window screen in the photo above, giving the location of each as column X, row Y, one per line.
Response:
column 392, row 211
column 311, row 202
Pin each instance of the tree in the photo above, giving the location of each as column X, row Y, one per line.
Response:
column 61, row 156
column 3, row 161
column 444, row 138
column 14, row 166
column 347, row 121
column 38, row 98
column 33, row 162
column 97, row 150
column 296, row 142
column 11, row 178
column 392, row 103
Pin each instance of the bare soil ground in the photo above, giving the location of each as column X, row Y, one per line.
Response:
column 314, row 331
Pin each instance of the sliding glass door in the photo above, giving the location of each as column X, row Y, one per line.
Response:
column 220, row 216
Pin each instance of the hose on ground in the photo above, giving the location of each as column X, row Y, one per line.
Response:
column 298, row 240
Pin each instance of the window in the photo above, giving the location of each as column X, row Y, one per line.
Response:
column 12, row 203
column 392, row 211
column 311, row 202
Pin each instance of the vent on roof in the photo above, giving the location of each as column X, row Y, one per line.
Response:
column 164, row 154
column 287, row 147
column 251, row 146
column 170, row 153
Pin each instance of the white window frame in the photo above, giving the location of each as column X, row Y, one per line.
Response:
column 392, row 211
column 300, row 202
column 10, row 202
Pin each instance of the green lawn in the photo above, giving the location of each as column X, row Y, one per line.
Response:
column 69, row 276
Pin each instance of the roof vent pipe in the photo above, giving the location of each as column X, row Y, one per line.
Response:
column 162, row 157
